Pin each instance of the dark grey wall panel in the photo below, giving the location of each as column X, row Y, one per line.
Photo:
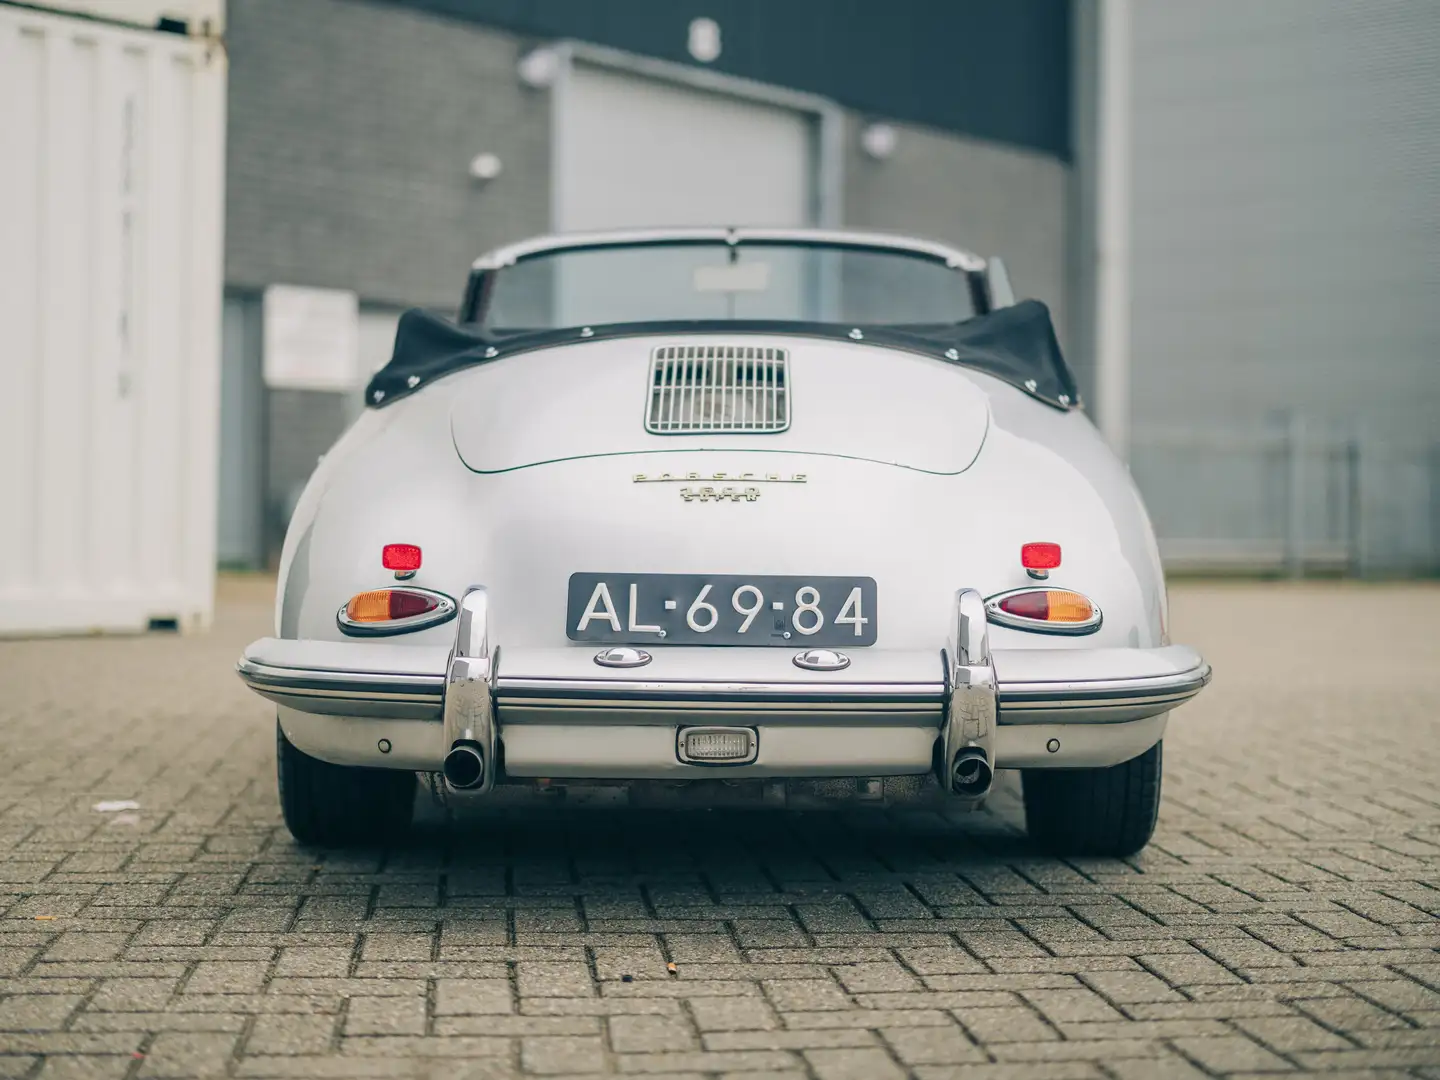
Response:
column 991, row 199
column 995, row 69
column 302, row 425
column 351, row 128
column 240, row 533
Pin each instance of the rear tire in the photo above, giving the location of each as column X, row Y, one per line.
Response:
column 340, row 805
column 1108, row 811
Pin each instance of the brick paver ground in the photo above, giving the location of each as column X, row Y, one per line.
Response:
column 1284, row 920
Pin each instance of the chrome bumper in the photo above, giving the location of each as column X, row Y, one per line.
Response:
column 553, row 712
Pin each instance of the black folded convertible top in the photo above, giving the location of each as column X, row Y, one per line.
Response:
column 1016, row 344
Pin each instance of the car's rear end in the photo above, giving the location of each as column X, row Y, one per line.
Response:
column 719, row 565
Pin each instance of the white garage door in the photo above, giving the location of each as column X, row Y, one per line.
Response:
column 633, row 151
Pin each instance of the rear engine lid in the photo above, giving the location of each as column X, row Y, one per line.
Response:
column 640, row 395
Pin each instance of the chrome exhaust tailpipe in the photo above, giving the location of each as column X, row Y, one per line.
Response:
column 464, row 766
column 971, row 775
column 967, row 745
column 469, row 713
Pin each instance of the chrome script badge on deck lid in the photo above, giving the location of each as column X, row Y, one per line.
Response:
column 697, row 490
column 732, row 477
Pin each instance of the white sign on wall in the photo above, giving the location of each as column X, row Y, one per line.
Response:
column 311, row 338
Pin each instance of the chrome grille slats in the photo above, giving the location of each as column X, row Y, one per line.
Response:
column 707, row 388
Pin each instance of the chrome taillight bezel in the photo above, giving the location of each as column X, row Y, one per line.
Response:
column 444, row 611
column 994, row 614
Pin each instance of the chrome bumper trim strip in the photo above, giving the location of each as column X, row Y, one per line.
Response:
column 601, row 689
column 378, row 686
column 1097, row 701
column 698, row 704
column 1048, row 702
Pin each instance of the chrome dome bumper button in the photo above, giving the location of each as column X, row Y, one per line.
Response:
column 822, row 660
column 622, row 656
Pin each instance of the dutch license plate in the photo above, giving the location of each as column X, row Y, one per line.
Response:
column 721, row 609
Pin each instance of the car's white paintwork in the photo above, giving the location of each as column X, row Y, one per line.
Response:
column 923, row 474
column 1039, row 474
column 848, row 401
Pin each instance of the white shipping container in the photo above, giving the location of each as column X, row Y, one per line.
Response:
column 111, row 228
column 201, row 16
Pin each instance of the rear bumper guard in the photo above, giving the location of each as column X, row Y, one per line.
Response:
column 972, row 693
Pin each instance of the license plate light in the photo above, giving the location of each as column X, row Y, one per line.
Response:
column 717, row 746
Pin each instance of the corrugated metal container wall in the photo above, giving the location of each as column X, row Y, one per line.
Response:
column 1285, row 231
column 110, row 293
column 146, row 12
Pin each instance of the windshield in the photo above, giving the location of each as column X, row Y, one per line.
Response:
column 716, row 281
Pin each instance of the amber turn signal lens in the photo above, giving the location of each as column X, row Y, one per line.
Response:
column 386, row 605
column 1049, row 605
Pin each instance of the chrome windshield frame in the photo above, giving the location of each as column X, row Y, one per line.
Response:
column 972, row 266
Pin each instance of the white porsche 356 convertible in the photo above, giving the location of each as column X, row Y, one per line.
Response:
column 719, row 515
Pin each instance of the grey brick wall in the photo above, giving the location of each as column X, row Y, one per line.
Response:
column 991, row 199
column 351, row 129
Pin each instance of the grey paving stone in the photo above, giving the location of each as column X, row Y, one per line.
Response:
column 35, row 1012
column 97, row 1067
column 1231, row 1054
column 872, row 1064
column 1283, row 920
column 468, row 996
column 1285, row 1034
column 552, row 1054
column 386, row 1016
column 188, row 1055
column 277, row 1034
column 931, row 1045
column 733, row 1014
column 637, row 1034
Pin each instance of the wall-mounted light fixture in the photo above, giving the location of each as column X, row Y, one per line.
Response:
column 485, row 167
column 704, row 40
column 539, row 68
column 878, row 140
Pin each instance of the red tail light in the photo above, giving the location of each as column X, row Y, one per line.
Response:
column 400, row 557
column 1055, row 611
column 1040, row 556
column 394, row 611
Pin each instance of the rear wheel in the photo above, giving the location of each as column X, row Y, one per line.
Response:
column 340, row 805
column 1108, row 811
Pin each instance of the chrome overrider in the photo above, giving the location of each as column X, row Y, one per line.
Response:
column 469, row 712
column 967, row 745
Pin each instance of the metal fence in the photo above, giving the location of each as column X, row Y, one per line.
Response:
column 1295, row 498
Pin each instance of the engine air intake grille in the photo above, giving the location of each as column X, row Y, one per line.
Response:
column 706, row 388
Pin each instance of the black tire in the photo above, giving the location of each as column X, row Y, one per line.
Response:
column 340, row 805
column 1094, row 811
